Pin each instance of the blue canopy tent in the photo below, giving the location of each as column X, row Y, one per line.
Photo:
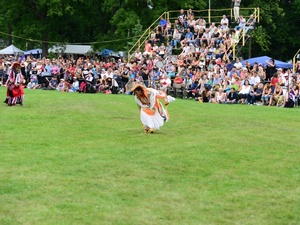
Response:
column 106, row 52
column 263, row 59
column 33, row 51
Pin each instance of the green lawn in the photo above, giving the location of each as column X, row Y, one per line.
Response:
column 70, row 158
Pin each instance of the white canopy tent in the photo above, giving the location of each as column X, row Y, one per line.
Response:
column 11, row 50
column 71, row 49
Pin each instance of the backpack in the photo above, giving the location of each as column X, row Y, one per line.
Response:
column 289, row 104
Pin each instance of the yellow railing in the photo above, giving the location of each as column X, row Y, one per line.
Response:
column 145, row 36
column 212, row 16
column 242, row 35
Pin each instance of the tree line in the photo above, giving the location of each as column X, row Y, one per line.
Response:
column 114, row 23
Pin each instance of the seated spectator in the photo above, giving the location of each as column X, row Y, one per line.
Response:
column 250, row 24
column 162, row 50
column 205, row 38
column 266, row 94
column 244, row 91
column 168, row 30
column 274, row 81
column 138, row 55
column 165, row 83
column 148, row 49
column 154, row 49
column 176, row 38
column 158, row 38
column 205, row 95
column 75, row 85
column 277, row 96
column 128, row 87
column 224, row 23
column 254, row 79
column 242, row 23
column 185, row 50
column 220, row 52
column 62, row 86
column 232, row 96
column 152, row 37
column 200, row 24
column 220, row 96
column 162, row 25
column 188, row 82
column 55, row 71
column 291, row 99
column 138, row 79
column 52, row 85
column 189, row 38
column 168, row 50
column 255, row 94
column 178, row 82
column 33, row 83
column 191, row 23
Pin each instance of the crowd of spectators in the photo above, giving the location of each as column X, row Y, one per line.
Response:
column 203, row 69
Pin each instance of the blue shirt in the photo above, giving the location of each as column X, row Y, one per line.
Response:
column 47, row 70
column 189, row 35
column 162, row 22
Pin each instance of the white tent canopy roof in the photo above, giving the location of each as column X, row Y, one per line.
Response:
column 71, row 49
column 11, row 50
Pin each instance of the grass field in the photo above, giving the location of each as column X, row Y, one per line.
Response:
column 69, row 158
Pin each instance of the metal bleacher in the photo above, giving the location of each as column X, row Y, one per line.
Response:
column 211, row 16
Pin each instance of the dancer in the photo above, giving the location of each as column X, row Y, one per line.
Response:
column 152, row 112
column 15, row 92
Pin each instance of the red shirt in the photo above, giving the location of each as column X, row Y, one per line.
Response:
column 274, row 81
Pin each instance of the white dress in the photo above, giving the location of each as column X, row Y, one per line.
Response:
column 152, row 113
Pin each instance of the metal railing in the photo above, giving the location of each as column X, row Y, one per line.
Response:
column 212, row 16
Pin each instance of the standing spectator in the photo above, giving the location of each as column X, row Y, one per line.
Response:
column 145, row 74
column 182, row 18
column 236, row 9
column 270, row 68
column 124, row 79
